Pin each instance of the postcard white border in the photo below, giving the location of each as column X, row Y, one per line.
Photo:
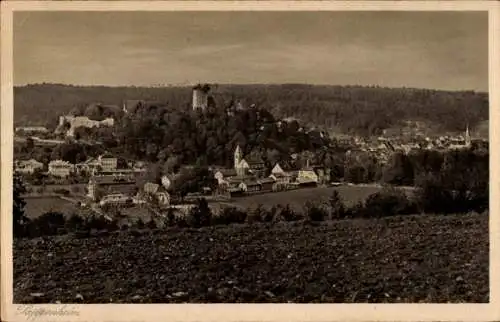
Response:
column 252, row 312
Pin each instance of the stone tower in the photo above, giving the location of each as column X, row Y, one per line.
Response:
column 200, row 97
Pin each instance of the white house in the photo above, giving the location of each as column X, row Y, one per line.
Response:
column 250, row 186
column 307, row 175
column 222, row 175
column 108, row 162
column 90, row 166
column 60, row 168
column 27, row 166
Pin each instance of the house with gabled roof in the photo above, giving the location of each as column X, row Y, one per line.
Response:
column 91, row 165
column 27, row 166
column 222, row 175
column 307, row 175
column 249, row 186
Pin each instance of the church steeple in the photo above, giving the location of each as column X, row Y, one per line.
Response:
column 237, row 156
column 467, row 136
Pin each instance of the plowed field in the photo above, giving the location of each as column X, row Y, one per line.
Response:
column 403, row 259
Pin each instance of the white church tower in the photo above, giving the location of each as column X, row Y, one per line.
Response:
column 467, row 137
column 238, row 155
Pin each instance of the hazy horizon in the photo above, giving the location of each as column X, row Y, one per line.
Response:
column 247, row 84
column 422, row 50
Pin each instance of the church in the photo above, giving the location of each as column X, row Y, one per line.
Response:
column 251, row 165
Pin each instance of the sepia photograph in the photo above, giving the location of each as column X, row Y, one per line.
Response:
column 236, row 156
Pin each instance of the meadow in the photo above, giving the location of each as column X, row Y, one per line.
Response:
column 37, row 206
column 297, row 198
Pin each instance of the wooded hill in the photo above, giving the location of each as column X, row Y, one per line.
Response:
column 348, row 109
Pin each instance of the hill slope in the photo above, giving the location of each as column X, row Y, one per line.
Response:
column 355, row 109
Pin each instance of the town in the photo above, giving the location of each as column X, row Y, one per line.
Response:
column 249, row 156
column 108, row 179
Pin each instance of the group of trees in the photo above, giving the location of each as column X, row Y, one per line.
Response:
column 158, row 133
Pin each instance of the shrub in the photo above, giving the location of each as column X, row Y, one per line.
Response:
column 315, row 213
column 288, row 214
column 74, row 223
column 170, row 219
column 388, row 202
column 50, row 223
column 228, row 216
column 139, row 224
column 101, row 223
column 255, row 215
column 200, row 215
column 358, row 210
column 152, row 224
column 19, row 218
column 337, row 208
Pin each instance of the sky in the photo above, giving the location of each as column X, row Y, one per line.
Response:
column 437, row 50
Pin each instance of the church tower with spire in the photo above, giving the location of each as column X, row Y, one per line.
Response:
column 467, row 137
column 238, row 155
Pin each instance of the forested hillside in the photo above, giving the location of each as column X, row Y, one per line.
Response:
column 349, row 109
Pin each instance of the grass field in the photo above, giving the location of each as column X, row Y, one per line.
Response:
column 297, row 198
column 38, row 206
column 422, row 258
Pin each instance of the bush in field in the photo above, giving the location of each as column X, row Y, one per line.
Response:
column 388, row 202
column 228, row 216
column 151, row 224
column 255, row 215
column 269, row 215
column 315, row 212
column 19, row 218
column 50, row 223
column 358, row 210
column 139, row 224
column 200, row 215
column 75, row 223
column 288, row 214
column 337, row 208
column 170, row 219
column 100, row 223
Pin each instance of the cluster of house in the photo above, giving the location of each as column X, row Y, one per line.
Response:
column 248, row 176
column 383, row 147
column 105, row 163
column 120, row 186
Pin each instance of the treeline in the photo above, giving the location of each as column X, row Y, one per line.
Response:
column 350, row 109
column 386, row 203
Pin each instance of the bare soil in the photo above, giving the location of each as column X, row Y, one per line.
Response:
column 425, row 258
